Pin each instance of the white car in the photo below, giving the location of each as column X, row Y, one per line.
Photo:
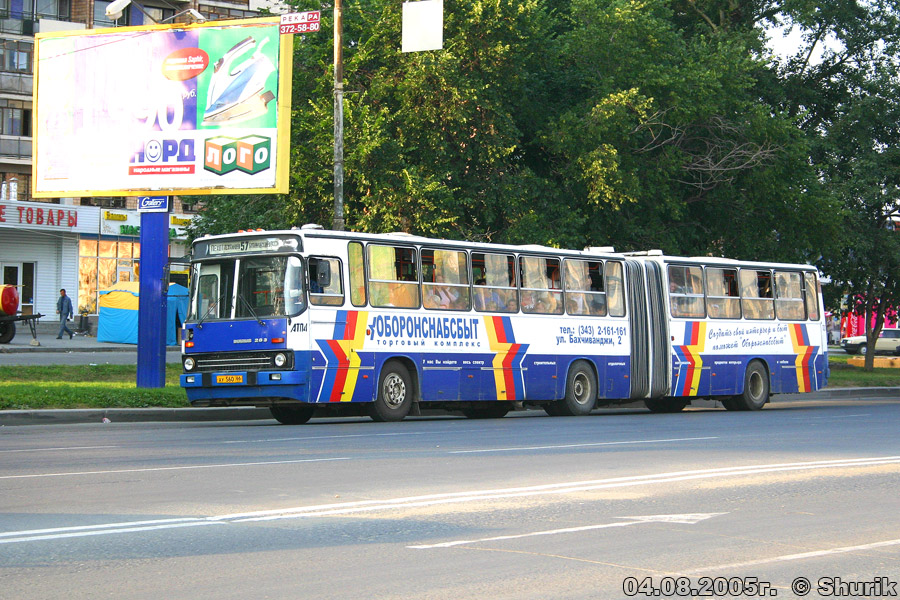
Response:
column 888, row 342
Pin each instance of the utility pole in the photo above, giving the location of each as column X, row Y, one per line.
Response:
column 338, row 222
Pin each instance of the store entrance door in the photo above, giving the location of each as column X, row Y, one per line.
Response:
column 20, row 275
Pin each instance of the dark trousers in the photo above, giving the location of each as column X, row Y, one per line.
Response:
column 63, row 328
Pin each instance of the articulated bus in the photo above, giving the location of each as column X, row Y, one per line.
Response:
column 308, row 321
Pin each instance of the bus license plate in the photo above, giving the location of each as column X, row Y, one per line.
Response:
column 229, row 379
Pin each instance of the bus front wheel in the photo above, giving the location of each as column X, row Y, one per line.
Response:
column 395, row 393
column 292, row 415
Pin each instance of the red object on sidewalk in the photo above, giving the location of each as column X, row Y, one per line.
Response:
column 9, row 300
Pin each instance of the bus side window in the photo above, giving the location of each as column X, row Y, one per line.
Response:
column 812, row 296
column 722, row 295
column 393, row 276
column 686, row 291
column 789, row 305
column 615, row 289
column 584, row 288
column 540, row 286
column 332, row 294
column 445, row 280
column 494, row 276
column 357, row 270
column 757, row 301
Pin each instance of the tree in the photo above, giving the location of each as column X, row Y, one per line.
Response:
column 846, row 104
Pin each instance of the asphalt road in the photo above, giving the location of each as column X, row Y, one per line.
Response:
column 527, row 506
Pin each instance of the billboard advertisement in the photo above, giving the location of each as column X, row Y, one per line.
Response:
column 166, row 109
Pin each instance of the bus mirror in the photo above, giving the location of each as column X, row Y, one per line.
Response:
column 323, row 274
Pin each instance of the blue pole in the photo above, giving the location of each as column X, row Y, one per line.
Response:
column 151, row 355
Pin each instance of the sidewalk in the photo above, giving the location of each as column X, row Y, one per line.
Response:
column 47, row 342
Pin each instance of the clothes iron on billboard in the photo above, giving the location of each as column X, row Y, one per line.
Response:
column 163, row 110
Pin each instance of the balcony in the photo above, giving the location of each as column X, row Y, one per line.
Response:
column 17, row 83
column 15, row 148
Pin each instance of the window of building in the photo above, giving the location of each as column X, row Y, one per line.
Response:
column 221, row 13
column 16, row 56
column 101, row 264
column 101, row 20
column 58, row 10
column 15, row 121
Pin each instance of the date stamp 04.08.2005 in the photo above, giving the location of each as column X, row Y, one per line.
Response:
column 753, row 587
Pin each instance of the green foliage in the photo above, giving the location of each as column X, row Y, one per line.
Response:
column 632, row 123
column 101, row 386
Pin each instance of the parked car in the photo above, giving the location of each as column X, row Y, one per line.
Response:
column 888, row 342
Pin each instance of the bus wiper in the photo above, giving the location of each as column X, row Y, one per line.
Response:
column 210, row 309
column 250, row 308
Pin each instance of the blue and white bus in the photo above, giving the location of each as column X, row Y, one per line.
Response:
column 308, row 321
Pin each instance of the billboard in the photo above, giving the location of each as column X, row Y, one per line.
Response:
column 165, row 109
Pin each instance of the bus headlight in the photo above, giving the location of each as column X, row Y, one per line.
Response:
column 189, row 364
column 280, row 359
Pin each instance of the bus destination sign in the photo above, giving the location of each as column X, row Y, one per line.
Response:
column 247, row 246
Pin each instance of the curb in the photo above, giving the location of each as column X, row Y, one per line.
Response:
column 250, row 413
column 131, row 415
column 22, row 349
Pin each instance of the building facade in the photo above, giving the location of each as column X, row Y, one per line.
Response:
column 80, row 244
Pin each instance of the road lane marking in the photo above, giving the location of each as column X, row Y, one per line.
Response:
column 798, row 556
column 519, row 448
column 690, row 519
column 180, row 468
column 52, row 449
column 448, row 498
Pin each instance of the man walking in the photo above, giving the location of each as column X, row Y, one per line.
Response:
column 64, row 310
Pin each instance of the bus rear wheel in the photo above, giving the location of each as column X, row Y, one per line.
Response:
column 665, row 405
column 395, row 394
column 292, row 415
column 581, row 391
column 756, row 389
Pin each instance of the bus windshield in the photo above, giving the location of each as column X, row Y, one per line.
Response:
column 267, row 286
